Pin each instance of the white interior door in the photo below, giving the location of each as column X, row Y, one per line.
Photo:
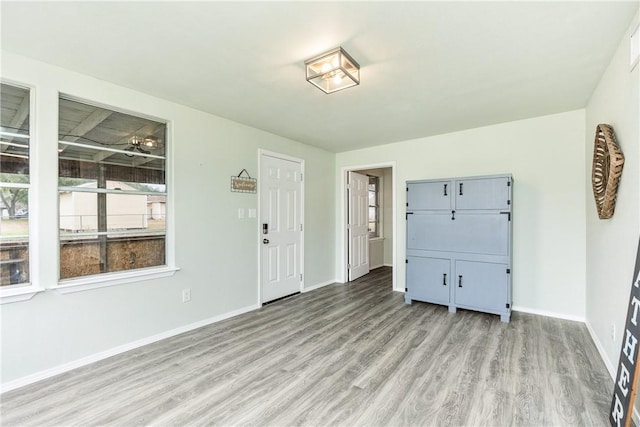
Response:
column 358, row 229
column 280, row 226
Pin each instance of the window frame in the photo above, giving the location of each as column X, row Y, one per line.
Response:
column 25, row 291
column 96, row 281
column 378, row 207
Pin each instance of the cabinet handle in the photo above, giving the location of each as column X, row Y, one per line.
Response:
column 461, row 189
column 444, row 279
column 453, row 215
column 460, row 281
column 445, row 190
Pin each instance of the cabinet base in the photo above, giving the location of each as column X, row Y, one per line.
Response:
column 504, row 317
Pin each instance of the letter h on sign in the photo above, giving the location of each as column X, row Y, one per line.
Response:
column 625, row 387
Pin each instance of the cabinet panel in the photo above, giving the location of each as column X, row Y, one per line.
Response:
column 434, row 195
column 428, row 279
column 430, row 231
column 481, row 285
column 485, row 193
column 480, row 233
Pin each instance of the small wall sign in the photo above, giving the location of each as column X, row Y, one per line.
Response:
column 626, row 381
column 242, row 184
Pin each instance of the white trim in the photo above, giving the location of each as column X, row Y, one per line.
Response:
column 342, row 230
column 319, row 285
column 603, row 354
column 71, row 189
column 548, row 313
column 609, row 366
column 18, row 293
column 388, row 265
column 262, row 152
column 47, row 373
column 375, row 239
column 373, row 267
column 14, row 135
column 16, row 184
column 112, row 279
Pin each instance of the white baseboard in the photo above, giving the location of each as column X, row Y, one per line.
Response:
column 373, row 267
column 319, row 285
column 47, row 373
column 549, row 313
column 600, row 348
column 609, row 365
column 387, row 265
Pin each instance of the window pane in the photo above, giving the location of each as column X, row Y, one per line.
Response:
column 131, row 213
column 373, row 229
column 14, row 134
column 14, row 185
column 372, row 199
column 373, row 214
column 14, row 262
column 88, row 256
column 103, row 155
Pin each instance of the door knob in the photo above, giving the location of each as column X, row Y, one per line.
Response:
column 265, row 241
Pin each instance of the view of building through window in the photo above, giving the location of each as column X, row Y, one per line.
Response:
column 14, row 185
column 112, row 190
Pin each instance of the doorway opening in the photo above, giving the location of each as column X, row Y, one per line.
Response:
column 369, row 220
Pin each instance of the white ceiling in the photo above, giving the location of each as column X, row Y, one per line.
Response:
column 427, row 67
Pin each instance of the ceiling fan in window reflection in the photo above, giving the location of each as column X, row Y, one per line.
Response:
column 142, row 144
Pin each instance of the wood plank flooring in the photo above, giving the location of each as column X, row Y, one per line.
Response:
column 341, row 355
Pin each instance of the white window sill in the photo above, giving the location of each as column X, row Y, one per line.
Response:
column 375, row 239
column 112, row 279
column 18, row 293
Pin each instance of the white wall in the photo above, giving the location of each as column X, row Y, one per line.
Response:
column 612, row 243
column 217, row 252
column 546, row 156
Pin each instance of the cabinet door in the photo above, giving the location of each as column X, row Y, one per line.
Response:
column 484, row 193
column 430, row 231
column 428, row 279
column 433, row 195
column 480, row 233
column 481, row 285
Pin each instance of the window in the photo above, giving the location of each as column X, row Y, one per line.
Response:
column 112, row 190
column 374, row 207
column 14, row 185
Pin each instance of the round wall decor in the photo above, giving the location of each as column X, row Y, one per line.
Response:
column 607, row 169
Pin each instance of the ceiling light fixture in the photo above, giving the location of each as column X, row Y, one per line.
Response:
column 142, row 144
column 333, row 71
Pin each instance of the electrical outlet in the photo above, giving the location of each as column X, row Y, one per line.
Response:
column 613, row 332
column 186, row 295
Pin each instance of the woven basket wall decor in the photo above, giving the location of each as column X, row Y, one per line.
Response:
column 607, row 169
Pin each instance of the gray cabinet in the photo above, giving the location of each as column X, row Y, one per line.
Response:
column 430, row 278
column 459, row 243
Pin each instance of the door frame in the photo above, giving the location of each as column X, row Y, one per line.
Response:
column 262, row 152
column 344, row 219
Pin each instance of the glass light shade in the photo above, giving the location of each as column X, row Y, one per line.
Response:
column 149, row 142
column 333, row 70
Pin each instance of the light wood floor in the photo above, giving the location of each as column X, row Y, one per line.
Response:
column 341, row 355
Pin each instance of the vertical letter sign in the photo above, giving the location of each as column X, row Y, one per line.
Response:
column 626, row 381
